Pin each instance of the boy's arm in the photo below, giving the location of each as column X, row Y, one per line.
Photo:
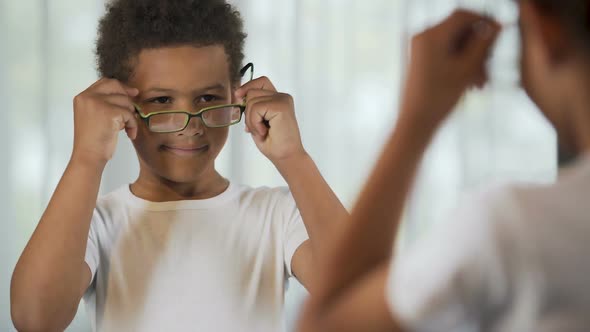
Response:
column 51, row 275
column 446, row 60
column 320, row 210
column 270, row 118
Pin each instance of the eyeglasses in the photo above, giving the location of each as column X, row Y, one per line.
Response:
column 218, row 116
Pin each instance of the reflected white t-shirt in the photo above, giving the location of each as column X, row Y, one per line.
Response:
column 219, row 264
column 513, row 259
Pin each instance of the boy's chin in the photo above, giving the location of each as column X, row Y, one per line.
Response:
column 181, row 170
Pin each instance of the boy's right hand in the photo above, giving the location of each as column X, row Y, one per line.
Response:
column 100, row 113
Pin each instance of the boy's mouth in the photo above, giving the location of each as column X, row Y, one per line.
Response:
column 185, row 150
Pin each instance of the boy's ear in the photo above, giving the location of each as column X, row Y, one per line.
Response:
column 548, row 30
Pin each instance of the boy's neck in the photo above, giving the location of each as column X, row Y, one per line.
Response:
column 157, row 189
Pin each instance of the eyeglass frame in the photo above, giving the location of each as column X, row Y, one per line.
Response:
column 199, row 114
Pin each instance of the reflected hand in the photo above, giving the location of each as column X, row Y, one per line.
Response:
column 446, row 60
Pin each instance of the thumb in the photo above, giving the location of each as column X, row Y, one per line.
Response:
column 131, row 124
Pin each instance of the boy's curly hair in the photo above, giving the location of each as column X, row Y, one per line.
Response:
column 573, row 14
column 130, row 26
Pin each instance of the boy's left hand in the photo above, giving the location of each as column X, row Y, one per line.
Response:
column 270, row 119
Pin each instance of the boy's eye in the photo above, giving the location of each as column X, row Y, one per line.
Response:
column 161, row 100
column 208, row 98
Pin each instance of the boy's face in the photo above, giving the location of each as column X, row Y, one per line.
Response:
column 181, row 78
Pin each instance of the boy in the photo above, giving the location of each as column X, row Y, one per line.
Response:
column 181, row 248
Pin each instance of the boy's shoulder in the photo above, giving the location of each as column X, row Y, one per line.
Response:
column 115, row 197
column 111, row 206
column 264, row 195
column 262, row 190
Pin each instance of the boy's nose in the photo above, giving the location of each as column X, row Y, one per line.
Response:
column 195, row 127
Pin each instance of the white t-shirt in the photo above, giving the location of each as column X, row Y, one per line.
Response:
column 514, row 259
column 218, row 264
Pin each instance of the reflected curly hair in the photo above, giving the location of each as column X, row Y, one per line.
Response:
column 573, row 14
column 130, row 26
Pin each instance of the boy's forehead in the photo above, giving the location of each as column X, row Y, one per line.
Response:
column 182, row 65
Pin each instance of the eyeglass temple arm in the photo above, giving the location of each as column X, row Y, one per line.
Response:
column 248, row 66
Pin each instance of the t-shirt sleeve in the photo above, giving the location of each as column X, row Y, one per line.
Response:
column 91, row 256
column 441, row 282
column 294, row 229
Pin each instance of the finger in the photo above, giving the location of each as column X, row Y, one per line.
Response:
column 252, row 117
column 248, row 117
column 252, row 111
column 98, row 82
column 261, row 114
column 260, row 123
column 455, row 22
column 113, row 86
column 132, row 92
column 249, row 120
column 131, row 126
column 127, row 121
column 120, row 100
column 257, row 93
column 481, row 78
column 479, row 49
column 261, row 83
column 482, row 81
column 94, row 86
column 463, row 26
column 485, row 34
column 462, row 17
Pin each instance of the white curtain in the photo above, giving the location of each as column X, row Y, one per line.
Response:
column 343, row 62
